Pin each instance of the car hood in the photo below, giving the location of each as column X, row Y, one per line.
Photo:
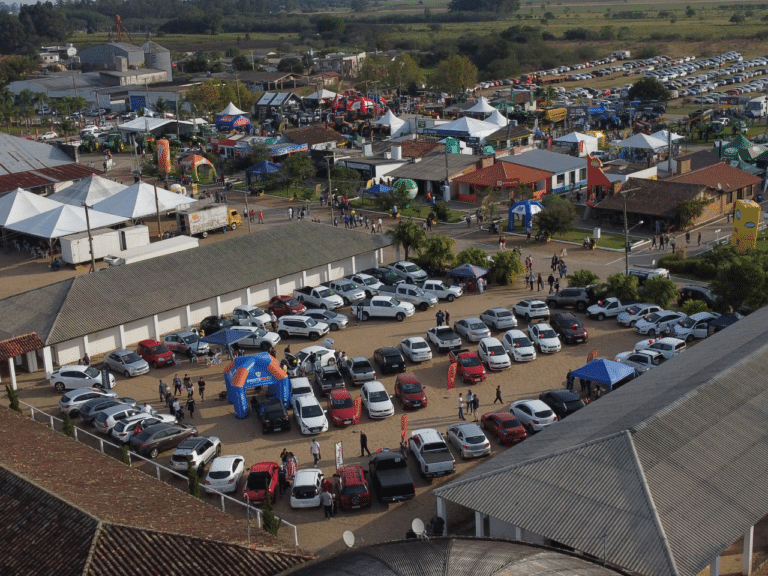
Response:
column 414, row 396
column 344, row 413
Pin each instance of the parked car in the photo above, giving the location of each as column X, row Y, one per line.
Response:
column 505, row 426
column 531, row 308
column 309, row 415
column 124, row 429
column 642, row 361
column 76, row 376
column 302, row 365
column 199, row 450
column 635, row 312
column 155, row 353
column 359, row 369
column 48, row 136
column 91, row 409
column 285, row 305
column 518, row 346
column 696, row 293
column 669, row 347
column 658, row 322
column 126, row 362
column 161, row 437
column 695, row 326
column 352, row 491
column 71, row 401
column 366, row 282
column 271, row 413
column 306, row 488
column 212, row 324
column 535, row 415
column 408, row 271
column 301, row 326
column 472, row 329
column 499, row 319
column 493, row 354
column 328, row 378
column 106, row 419
column 335, row 320
column 543, row 336
column 569, row 327
column 469, row 367
column 384, row 275
column 391, row 477
column 376, row 400
column 643, row 275
column 409, row 390
column 444, row 338
column 262, row 477
column 389, row 359
column 248, row 315
column 186, row 342
column 469, row 440
column 256, row 337
column 563, row 402
column 575, row 296
column 224, row 474
column 342, row 408
column 416, row 348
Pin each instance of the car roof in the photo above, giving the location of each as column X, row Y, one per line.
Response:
column 149, row 342
column 121, row 351
column 408, row 378
column 339, row 393
column 360, row 359
column 223, row 462
column 265, row 466
column 562, row 392
column 497, row 309
column 467, row 426
column 306, row 472
column 374, row 385
column 76, row 367
column 158, row 427
column 669, row 340
column 389, row 351
column 534, row 403
column 489, row 341
column 516, row 333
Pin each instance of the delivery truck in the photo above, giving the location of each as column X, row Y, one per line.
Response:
column 202, row 218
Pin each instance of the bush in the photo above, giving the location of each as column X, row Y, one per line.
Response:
column 13, row 397
column 691, row 307
column 660, row 290
column 582, row 278
column 506, row 266
column 441, row 211
column 473, row 256
column 193, row 480
column 125, row 457
column 68, row 427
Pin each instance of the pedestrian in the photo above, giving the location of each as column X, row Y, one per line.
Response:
column 176, row 385
column 327, row 500
column 282, row 479
column 728, row 217
column 273, row 321
column 469, row 220
column 191, row 406
column 147, row 408
column 563, row 269
column 481, row 285
column 335, row 221
column 190, row 390
column 290, row 213
column 653, row 242
column 540, row 282
column 699, row 243
column 364, row 444
column 531, row 280
column 261, row 217
column 86, row 359
column 176, row 407
column 163, row 388
column 461, row 407
column 551, row 282
column 440, row 317
column 447, row 318
column 187, row 382
column 475, row 406
column 201, row 388
column 470, row 404
column 666, row 242
column 501, row 242
column 688, row 237
column 380, row 223
column 346, row 221
column 245, row 214
column 527, row 234
column 498, row 396
column 367, row 222
column 673, row 242
column 314, row 449
column 598, row 392
column 569, row 378
column 291, row 466
column 555, row 260
column 557, row 285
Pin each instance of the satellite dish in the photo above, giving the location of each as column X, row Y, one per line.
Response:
column 417, row 526
column 349, row 538
column 719, row 186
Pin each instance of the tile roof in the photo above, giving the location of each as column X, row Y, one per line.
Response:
column 699, row 159
column 65, row 310
column 114, row 521
column 45, row 176
column 641, row 474
column 727, row 176
column 507, row 173
column 413, row 149
column 546, row 160
column 313, row 135
column 654, row 197
column 433, row 167
column 20, row 345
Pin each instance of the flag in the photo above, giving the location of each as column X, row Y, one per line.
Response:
column 339, row 456
column 403, row 427
column 358, row 407
column 592, row 356
column 452, row 375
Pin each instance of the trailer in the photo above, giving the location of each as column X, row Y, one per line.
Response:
column 161, row 248
column 201, row 218
column 76, row 249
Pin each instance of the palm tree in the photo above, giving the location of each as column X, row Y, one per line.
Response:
column 409, row 235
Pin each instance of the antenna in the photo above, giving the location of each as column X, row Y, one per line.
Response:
column 349, row 538
column 418, row 528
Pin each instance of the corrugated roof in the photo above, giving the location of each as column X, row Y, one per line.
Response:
column 211, row 270
column 664, row 473
column 433, row 167
column 313, row 135
column 413, row 149
column 546, row 160
column 19, row 155
column 510, row 132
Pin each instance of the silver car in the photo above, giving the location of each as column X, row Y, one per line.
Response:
column 126, row 362
column 72, row 401
column 182, row 341
column 125, row 428
column 499, row 319
column 256, row 337
column 335, row 320
column 472, row 329
column 469, row 440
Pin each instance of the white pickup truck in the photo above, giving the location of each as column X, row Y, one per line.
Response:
column 348, row 290
column 408, row 271
column 247, row 315
column 431, row 452
column 444, row 338
column 320, row 296
column 609, row 308
column 408, row 292
column 441, row 290
column 383, row 307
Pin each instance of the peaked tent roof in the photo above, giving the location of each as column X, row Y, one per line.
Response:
column 638, row 476
column 482, row 106
column 320, row 94
column 22, row 204
column 389, row 119
column 89, row 190
column 497, row 118
column 63, row 221
column 465, row 126
column 575, row 138
column 263, row 167
column 231, row 110
column 642, row 142
column 603, row 371
column 138, row 200
column 468, row 271
column 664, row 135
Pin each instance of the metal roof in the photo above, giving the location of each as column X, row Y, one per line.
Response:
column 662, row 474
column 433, row 167
column 21, row 155
column 65, row 310
column 546, row 160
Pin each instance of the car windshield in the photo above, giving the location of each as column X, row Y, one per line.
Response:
column 634, row 309
column 219, row 474
column 257, row 480
column 653, row 317
column 311, row 411
column 91, row 372
column 361, row 365
column 514, row 423
column 503, row 314
column 191, row 339
column 470, row 362
column 311, row 322
column 411, row 268
column 496, row 350
column 521, row 342
column 256, row 312
column 159, row 349
column 687, row 323
column 412, row 387
column 538, row 305
column 355, row 489
column 260, row 333
column 292, row 302
column 395, row 302
column 343, row 403
column 380, row 396
column 130, row 358
column 368, row 281
column 547, row 334
column 477, row 326
column 475, row 439
column 419, row 345
column 325, row 293
column 543, row 413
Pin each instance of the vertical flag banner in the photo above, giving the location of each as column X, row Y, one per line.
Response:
column 452, row 376
column 592, row 356
column 403, row 427
column 358, row 407
column 339, row 456
column 163, row 156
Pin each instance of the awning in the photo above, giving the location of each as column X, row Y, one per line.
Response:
column 606, row 372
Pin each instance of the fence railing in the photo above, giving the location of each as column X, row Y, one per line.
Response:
column 37, row 415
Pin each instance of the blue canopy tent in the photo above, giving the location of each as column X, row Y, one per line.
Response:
column 260, row 170
column 226, row 337
column 468, row 271
column 378, row 189
column 606, row 372
column 526, row 209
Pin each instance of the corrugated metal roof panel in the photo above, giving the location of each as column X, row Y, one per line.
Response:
column 546, row 160
column 22, row 155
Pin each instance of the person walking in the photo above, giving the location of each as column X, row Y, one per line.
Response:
column 557, row 285
column 673, row 242
column 327, row 501
column 190, row 390
column 501, row 242
column 176, row 407
column 498, row 396
column 163, row 388
column 461, row 407
column 261, row 217
column 282, row 479
column 688, row 237
column 475, row 405
column 291, row 467
column 551, row 282
column 470, row 405
column 540, row 282
column 314, row 449
column 653, row 242
column 468, row 218
column 290, row 213
column 440, row 317
column 531, row 280
column 555, row 260
column 201, row 388
column 666, row 242
column 699, row 242
column 187, row 382
column 447, row 318
column 364, row 444
column 191, row 406
column 481, row 285
column 380, row 224
column 569, row 378
column 176, row 385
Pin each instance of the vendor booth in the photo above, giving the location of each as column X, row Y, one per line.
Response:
column 229, row 122
column 609, row 373
column 254, row 372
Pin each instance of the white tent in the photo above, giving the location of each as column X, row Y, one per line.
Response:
column 574, row 138
column 89, row 190
column 63, row 221
column 664, row 135
column 231, row 110
column 320, row 94
column 482, row 106
column 395, row 124
column 465, row 126
column 138, row 200
column 22, row 204
column 643, row 142
column 497, row 118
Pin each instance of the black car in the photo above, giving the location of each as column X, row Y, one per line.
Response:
column 562, row 402
column 272, row 414
column 328, row 378
column 696, row 293
column 569, row 327
column 160, row 437
column 390, row 360
column 576, row 296
column 91, row 409
column 211, row 324
column 384, row 275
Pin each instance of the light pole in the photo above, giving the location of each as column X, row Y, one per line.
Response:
column 624, row 194
column 90, row 237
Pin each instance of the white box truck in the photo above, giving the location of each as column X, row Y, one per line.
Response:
column 202, row 218
column 75, row 248
column 757, row 107
column 134, row 236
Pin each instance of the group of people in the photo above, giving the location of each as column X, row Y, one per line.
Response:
column 179, row 388
column 443, row 317
column 472, row 403
column 588, row 391
column 251, row 215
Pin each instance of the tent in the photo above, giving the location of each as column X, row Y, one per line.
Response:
column 574, row 139
column 254, row 372
column 740, row 149
column 482, row 106
column 89, row 190
column 231, row 110
column 22, row 204
column 606, row 372
column 194, row 161
column 468, row 271
column 642, row 142
column 230, row 122
column 321, row 95
column 226, row 337
column 138, row 200
column 465, row 126
column 664, row 135
column 378, row 189
column 526, row 209
column 260, row 170
column 497, row 118
column 63, row 221
column 396, row 125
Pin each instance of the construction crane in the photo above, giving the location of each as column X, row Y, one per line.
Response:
column 119, row 27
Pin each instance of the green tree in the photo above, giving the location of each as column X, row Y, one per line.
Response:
column 557, row 216
column 455, row 74
column 372, row 69
column 622, row 286
column 269, row 522
column 689, row 210
column 648, row 89
column 691, row 307
column 13, row 397
column 193, row 479
column 660, row 290
column 582, row 278
column 505, row 267
column 242, row 62
column 437, row 252
column 409, row 235
column 473, row 256
column 294, row 65
column 296, row 169
column 488, row 204
column 690, row 12
column 737, row 18
column 68, row 426
column 161, row 106
column 345, row 180
column 404, row 71
column 125, row 456
column 741, row 282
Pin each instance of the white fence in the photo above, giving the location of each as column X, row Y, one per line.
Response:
column 104, row 445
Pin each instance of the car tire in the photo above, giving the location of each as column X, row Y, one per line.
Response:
column 324, row 306
column 334, row 327
column 59, row 387
column 400, row 316
column 423, row 306
column 601, row 316
column 153, row 453
column 581, row 306
column 314, row 336
column 408, row 281
column 366, row 316
column 689, row 338
column 450, row 297
column 652, row 333
column 346, row 301
column 632, row 323
column 204, row 234
column 527, row 317
column 127, row 374
column 283, row 334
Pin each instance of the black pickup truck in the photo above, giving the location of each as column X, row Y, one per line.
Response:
column 271, row 414
column 390, row 477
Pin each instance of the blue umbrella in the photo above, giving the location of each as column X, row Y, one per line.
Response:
column 605, row 372
column 378, row 189
column 226, row 337
column 468, row 271
column 263, row 167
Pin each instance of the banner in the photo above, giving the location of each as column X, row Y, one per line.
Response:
column 358, row 407
column 592, row 356
column 339, row 456
column 452, row 375
column 403, row 427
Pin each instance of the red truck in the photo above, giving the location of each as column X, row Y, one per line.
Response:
column 470, row 368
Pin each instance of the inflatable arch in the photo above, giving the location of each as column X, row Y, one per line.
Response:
column 254, row 372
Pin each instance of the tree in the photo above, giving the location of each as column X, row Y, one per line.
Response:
column 269, row 522
column 689, row 210
column 741, row 282
column 294, row 65
column 582, row 278
column 296, row 169
column 125, row 456
column 13, row 397
column 161, row 106
column 505, row 267
column 660, row 290
column 437, row 252
column 473, row 256
column 691, row 307
column 409, row 235
column 488, row 204
column 737, row 18
column 500, row 7
column 372, row 69
column 622, row 286
column 345, row 180
column 68, row 426
column 455, row 74
column 404, row 71
column 242, row 62
column 690, row 12
column 648, row 89
column 193, row 480
column 557, row 216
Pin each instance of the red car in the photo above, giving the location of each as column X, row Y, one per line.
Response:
column 470, row 369
column 282, row 305
column 155, row 353
column 352, row 491
column 261, row 475
column 504, row 425
column 112, row 116
column 410, row 391
column 342, row 408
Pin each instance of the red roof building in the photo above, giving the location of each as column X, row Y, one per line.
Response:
column 506, row 176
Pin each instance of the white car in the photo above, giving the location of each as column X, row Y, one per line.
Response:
column 642, row 361
column 77, row 376
column 106, row 419
column 518, row 346
column 531, row 308
column 499, row 319
column 366, row 282
column 669, row 347
column 472, row 329
column 310, row 416
column 224, row 474
column 535, row 415
column 125, row 428
column 658, row 322
column 126, row 362
column 71, row 401
column 493, row 354
column 635, row 312
column 376, row 400
column 48, row 136
column 323, row 357
column 416, row 348
column 695, row 326
column 544, row 336
column 306, row 488
column 469, row 440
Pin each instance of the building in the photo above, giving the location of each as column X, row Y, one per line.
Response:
column 507, row 177
column 315, row 137
column 659, row 477
column 733, row 183
column 430, row 172
column 346, row 65
column 603, row 177
column 148, row 63
column 567, row 171
column 103, row 56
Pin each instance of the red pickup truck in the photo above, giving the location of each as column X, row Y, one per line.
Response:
column 470, row 369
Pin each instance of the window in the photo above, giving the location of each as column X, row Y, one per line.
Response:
column 729, row 199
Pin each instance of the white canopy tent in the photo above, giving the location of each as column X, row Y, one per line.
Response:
column 63, row 221
column 464, row 127
column 89, row 190
column 22, row 204
column 138, row 200
column 497, row 118
column 642, row 142
column 664, row 135
column 320, row 94
column 574, row 138
column 482, row 106
column 395, row 124
column 231, row 110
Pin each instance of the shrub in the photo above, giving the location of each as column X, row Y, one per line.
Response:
column 125, row 457
column 506, row 266
column 69, row 426
column 13, row 397
column 582, row 278
column 691, row 307
column 194, row 480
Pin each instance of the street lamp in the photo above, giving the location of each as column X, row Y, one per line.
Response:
column 624, row 194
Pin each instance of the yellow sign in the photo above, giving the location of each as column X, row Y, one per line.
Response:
column 746, row 218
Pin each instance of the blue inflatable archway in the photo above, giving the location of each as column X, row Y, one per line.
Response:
column 254, row 372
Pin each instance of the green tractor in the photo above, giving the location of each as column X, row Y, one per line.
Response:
column 89, row 143
column 145, row 141
column 114, row 142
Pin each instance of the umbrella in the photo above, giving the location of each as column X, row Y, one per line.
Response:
column 378, row 189
column 526, row 209
column 605, row 372
column 469, row 271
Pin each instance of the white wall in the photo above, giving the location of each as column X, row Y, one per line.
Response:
column 68, row 352
column 315, row 277
column 200, row 310
column 262, row 293
column 290, row 283
column 231, row 300
column 171, row 320
column 104, row 341
column 500, row 529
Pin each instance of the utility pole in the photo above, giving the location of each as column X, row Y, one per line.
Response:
column 157, row 208
column 330, row 193
column 90, row 238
